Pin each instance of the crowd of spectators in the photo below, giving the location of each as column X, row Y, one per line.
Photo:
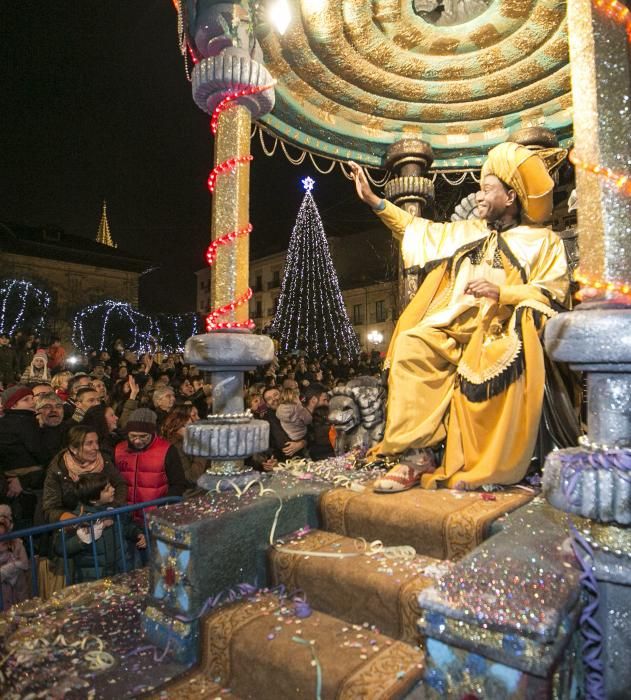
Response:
column 123, row 417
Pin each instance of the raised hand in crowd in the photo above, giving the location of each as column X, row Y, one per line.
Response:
column 134, row 389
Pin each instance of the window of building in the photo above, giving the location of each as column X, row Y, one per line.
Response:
column 380, row 311
column 258, row 285
column 259, row 309
column 358, row 313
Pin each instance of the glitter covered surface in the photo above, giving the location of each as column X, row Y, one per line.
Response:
column 456, row 673
column 226, row 536
column 229, row 278
column 84, row 642
column 602, row 114
column 523, row 581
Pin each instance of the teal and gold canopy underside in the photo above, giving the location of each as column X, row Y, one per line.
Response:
column 355, row 76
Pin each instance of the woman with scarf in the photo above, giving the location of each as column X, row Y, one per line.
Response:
column 82, row 456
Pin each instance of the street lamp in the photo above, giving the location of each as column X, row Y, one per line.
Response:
column 375, row 337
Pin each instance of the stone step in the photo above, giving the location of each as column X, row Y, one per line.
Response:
column 444, row 524
column 260, row 649
column 359, row 588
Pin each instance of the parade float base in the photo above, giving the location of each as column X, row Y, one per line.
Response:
column 380, row 627
column 83, row 642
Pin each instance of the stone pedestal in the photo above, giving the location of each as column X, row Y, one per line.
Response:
column 596, row 339
column 230, row 434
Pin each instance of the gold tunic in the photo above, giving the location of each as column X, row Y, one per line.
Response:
column 468, row 370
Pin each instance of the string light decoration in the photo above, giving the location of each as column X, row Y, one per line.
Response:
column 97, row 326
column 22, row 305
column 617, row 12
column 311, row 315
column 175, row 329
column 212, row 324
column 213, row 248
column 230, row 98
column 620, row 182
column 229, row 166
column 594, row 287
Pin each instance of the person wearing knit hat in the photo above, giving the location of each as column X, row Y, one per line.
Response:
column 466, row 361
column 18, row 394
column 37, row 371
column 142, row 420
column 150, row 465
column 22, row 456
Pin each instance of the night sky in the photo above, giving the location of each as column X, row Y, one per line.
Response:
column 96, row 105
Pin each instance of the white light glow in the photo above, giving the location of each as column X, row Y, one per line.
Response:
column 279, row 15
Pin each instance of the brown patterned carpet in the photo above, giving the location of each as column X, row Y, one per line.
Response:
column 443, row 524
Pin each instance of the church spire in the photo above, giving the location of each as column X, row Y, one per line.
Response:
column 103, row 235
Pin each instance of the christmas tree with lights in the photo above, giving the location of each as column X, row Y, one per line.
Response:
column 310, row 314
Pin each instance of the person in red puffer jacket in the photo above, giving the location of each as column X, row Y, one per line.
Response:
column 150, row 465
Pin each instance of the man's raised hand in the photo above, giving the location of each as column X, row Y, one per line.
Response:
column 364, row 191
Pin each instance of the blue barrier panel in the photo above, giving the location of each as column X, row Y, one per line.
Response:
column 72, row 523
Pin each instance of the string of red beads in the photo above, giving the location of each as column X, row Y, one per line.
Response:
column 228, row 166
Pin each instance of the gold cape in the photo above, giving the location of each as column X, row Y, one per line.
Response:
column 465, row 370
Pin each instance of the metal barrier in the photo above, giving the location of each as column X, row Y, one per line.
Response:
column 63, row 525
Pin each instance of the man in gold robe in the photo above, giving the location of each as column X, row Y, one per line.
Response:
column 466, row 360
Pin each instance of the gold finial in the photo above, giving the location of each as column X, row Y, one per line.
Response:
column 103, row 235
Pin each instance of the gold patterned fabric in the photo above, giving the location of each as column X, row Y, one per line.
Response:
column 467, row 370
column 440, row 524
column 358, row 588
column 250, row 646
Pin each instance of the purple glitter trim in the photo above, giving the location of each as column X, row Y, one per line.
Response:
column 574, row 464
column 590, row 629
column 241, row 590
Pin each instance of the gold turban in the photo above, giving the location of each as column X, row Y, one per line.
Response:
column 525, row 172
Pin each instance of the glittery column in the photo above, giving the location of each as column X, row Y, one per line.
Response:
column 231, row 202
column 602, row 117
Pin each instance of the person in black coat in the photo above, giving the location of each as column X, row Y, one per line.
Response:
column 9, row 368
column 22, row 455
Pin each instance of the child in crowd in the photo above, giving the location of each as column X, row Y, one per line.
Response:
column 95, row 495
column 293, row 416
column 13, row 563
